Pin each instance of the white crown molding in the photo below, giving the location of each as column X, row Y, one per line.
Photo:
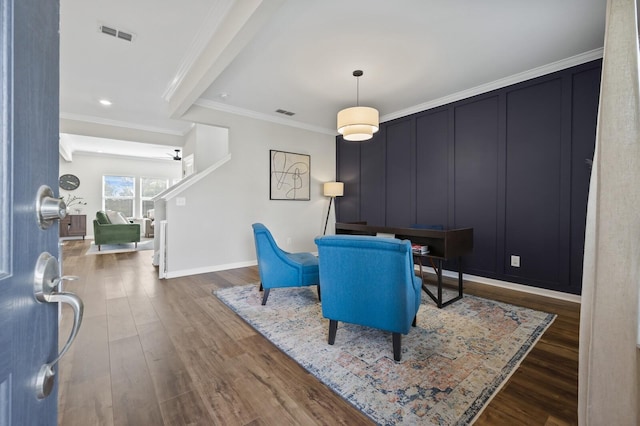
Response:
column 125, row 124
column 464, row 94
column 205, row 103
column 210, row 25
column 497, row 84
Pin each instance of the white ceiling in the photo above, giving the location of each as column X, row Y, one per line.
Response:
column 252, row 57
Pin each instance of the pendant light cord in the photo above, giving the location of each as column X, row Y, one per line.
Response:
column 357, row 74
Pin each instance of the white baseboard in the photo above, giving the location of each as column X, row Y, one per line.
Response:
column 512, row 286
column 206, row 269
column 449, row 274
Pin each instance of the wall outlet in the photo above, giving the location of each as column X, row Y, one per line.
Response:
column 515, row 261
column 181, row 201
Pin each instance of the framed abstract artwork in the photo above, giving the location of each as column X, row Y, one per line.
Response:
column 289, row 175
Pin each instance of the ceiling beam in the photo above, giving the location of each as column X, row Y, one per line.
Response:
column 239, row 26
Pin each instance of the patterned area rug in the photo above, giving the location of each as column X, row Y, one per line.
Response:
column 144, row 244
column 453, row 362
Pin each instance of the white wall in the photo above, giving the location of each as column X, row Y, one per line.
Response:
column 208, row 144
column 212, row 144
column 90, row 168
column 212, row 231
column 189, row 148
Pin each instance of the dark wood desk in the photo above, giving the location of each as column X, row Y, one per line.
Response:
column 443, row 245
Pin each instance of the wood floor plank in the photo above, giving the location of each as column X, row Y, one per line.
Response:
column 120, row 319
column 168, row 352
column 87, row 403
column 169, row 375
column 315, row 400
column 134, row 398
column 113, row 285
column 142, row 310
column 92, row 343
column 218, row 391
column 270, row 399
column 185, row 409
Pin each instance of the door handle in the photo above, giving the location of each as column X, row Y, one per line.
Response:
column 48, row 207
column 47, row 281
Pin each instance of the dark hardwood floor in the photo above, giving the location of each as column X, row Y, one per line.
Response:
column 167, row 352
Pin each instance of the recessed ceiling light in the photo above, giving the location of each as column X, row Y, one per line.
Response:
column 105, row 102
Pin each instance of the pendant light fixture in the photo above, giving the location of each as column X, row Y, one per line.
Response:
column 358, row 123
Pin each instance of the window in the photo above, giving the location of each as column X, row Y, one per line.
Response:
column 149, row 188
column 118, row 193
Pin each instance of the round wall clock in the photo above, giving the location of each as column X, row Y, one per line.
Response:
column 69, row 182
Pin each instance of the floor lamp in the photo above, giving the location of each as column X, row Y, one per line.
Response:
column 333, row 190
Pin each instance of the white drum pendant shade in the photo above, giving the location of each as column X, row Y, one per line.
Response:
column 358, row 123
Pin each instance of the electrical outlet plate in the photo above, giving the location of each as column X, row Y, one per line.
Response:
column 515, row 261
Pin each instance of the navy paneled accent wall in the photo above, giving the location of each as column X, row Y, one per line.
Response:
column 513, row 163
column 348, row 162
column 534, row 208
column 432, row 167
column 372, row 180
column 400, row 179
column 475, row 195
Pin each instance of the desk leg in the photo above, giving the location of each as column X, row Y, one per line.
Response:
column 439, row 272
column 438, row 299
column 460, row 277
column 421, row 272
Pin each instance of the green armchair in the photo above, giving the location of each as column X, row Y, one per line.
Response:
column 105, row 231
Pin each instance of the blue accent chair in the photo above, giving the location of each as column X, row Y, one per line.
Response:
column 279, row 268
column 369, row 281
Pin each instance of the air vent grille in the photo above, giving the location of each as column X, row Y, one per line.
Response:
column 125, row 36
column 285, row 112
column 113, row 32
column 108, row 30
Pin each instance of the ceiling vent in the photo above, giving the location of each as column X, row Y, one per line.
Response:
column 285, row 112
column 113, row 32
column 125, row 36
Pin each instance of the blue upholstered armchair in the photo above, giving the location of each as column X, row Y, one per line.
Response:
column 279, row 268
column 369, row 281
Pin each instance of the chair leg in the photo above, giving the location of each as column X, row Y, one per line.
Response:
column 413, row 324
column 333, row 327
column 136, row 245
column 397, row 346
column 319, row 295
column 265, row 296
column 260, row 289
column 99, row 247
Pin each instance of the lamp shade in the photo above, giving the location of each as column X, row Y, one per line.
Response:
column 358, row 123
column 333, row 189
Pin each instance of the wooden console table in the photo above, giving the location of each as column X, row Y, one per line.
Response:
column 73, row 225
column 443, row 245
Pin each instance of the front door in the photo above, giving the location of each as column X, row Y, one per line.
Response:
column 29, row 52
